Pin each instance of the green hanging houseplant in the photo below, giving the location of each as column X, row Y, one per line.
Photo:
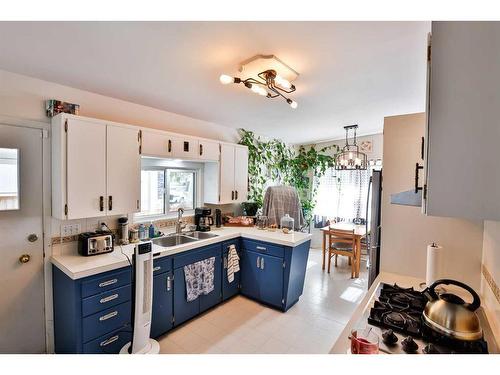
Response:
column 276, row 161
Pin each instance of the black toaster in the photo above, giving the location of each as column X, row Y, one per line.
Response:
column 95, row 243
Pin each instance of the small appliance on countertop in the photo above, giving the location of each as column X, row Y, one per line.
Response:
column 408, row 321
column 218, row 218
column 95, row 243
column 203, row 219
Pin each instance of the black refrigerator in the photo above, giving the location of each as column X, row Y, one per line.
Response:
column 373, row 208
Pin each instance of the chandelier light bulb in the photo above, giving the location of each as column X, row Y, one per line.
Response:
column 225, row 79
column 279, row 80
column 292, row 103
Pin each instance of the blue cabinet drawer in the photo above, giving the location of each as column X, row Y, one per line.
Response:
column 264, row 248
column 161, row 265
column 110, row 343
column 102, row 301
column 106, row 321
column 197, row 255
column 107, row 281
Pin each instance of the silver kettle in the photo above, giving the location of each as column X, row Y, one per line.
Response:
column 450, row 315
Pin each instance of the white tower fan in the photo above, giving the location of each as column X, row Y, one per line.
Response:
column 143, row 303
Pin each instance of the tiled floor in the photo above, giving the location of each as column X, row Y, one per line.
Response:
column 244, row 326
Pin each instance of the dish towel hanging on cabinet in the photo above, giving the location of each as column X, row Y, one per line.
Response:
column 199, row 278
column 233, row 263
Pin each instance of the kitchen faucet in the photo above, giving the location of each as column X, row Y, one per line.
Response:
column 179, row 225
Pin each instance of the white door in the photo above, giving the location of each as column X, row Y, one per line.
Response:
column 86, row 169
column 241, row 174
column 156, row 144
column 209, row 151
column 227, row 174
column 123, row 170
column 185, row 148
column 22, row 322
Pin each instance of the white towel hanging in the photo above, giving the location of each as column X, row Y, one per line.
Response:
column 233, row 263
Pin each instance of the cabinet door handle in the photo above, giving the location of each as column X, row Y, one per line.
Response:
column 201, row 150
column 109, row 298
column 157, row 268
column 169, row 283
column 225, row 262
column 109, row 341
column 101, row 203
column 236, row 195
column 232, row 195
column 258, row 262
column 169, row 147
column 417, row 168
column 109, row 282
column 110, row 202
column 108, row 316
column 262, row 263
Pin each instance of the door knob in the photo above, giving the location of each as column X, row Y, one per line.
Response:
column 32, row 237
column 25, row 258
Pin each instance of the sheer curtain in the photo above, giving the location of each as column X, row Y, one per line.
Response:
column 342, row 195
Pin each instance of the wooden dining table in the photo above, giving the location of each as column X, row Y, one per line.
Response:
column 359, row 233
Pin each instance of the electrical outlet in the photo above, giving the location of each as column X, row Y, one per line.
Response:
column 70, row 229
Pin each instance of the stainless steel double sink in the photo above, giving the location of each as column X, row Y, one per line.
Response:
column 182, row 238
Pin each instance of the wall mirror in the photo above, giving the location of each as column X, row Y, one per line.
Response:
column 9, row 179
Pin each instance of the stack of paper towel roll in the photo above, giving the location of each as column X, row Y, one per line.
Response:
column 436, row 263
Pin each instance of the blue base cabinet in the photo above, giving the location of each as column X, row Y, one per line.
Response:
column 273, row 274
column 230, row 289
column 94, row 314
column 184, row 310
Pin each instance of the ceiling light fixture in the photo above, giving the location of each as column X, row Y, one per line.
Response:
column 272, row 82
column 350, row 158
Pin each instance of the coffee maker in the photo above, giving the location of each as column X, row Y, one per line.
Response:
column 203, row 218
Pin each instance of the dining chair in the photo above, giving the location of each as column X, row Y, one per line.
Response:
column 342, row 242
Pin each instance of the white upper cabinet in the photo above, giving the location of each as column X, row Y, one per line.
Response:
column 157, row 144
column 123, row 170
column 208, row 150
column 84, row 145
column 463, row 177
column 185, row 148
column 95, row 168
column 241, row 173
column 227, row 181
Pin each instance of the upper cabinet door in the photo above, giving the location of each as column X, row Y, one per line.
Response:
column 227, row 194
column 463, row 178
column 123, row 170
column 157, row 144
column 240, row 174
column 208, row 150
column 185, row 148
column 86, row 169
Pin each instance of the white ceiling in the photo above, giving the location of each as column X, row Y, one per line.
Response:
column 350, row 72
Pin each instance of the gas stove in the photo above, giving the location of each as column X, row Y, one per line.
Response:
column 397, row 318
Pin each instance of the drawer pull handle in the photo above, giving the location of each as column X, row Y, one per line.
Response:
column 108, row 316
column 157, row 268
column 109, row 298
column 109, row 341
column 261, row 248
column 109, row 282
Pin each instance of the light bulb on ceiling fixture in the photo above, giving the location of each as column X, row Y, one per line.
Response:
column 225, row 79
column 259, row 90
column 279, row 80
column 292, row 103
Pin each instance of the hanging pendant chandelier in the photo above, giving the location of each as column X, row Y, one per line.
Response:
column 350, row 158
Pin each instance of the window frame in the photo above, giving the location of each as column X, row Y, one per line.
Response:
column 140, row 217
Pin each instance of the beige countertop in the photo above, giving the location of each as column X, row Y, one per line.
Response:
column 76, row 266
column 342, row 345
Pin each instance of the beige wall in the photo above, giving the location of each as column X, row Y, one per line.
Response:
column 491, row 262
column 405, row 230
column 24, row 97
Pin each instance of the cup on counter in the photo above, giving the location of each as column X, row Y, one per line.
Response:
column 364, row 341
